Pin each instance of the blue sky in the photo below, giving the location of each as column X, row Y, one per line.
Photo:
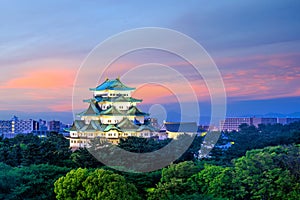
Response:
column 255, row 44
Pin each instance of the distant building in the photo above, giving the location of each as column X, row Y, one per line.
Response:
column 54, row 125
column 233, row 123
column 292, row 120
column 10, row 128
column 5, row 126
column 264, row 120
column 174, row 129
column 43, row 125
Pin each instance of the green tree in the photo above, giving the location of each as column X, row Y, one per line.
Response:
column 33, row 182
column 84, row 159
column 264, row 174
column 213, row 180
column 97, row 184
column 174, row 181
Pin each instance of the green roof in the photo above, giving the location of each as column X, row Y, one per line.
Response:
column 77, row 125
column 126, row 124
column 114, row 84
column 92, row 110
column 89, row 128
column 136, row 112
column 111, row 111
column 111, row 127
column 113, row 99
column 146, row 127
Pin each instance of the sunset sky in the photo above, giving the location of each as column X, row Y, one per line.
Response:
column 255, row 44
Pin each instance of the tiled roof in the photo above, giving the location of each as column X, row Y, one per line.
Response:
column 77, row 125
column 89, row 128
column 112, row 111
column 146, row 127
column 111, row 127
column 126, row 124
column 136, row 112
column 92, row 110
column 113, row 99
column 114, row 84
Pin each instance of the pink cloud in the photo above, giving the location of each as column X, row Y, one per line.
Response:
column 43, row 79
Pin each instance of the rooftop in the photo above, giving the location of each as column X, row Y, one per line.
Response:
column 114, row 84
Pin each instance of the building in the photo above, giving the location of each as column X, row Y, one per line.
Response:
column 43, row 125
column 292, row 120
column 112, row 114
column 233, row 123
column 54, row 126
column 264, row 120
column 174, row 129
column 10, row 128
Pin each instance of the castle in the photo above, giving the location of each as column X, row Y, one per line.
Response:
column 112, row 114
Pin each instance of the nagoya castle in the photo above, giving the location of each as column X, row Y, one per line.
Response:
column 112, row 114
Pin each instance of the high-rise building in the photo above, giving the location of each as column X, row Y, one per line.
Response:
column 54, row 125
column 233, row 123
column 291, row 120
column 5, row 126
column 112, row 114
column 264, row 120
column 17, row 126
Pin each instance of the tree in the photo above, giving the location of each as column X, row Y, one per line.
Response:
column 33, row 182
column 97, row 184
column 263, row 173
column 269, row 173
column 174, row 181
column 213, row 180
column 84, row 159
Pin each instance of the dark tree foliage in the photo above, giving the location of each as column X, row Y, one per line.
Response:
column 27, row 149
column 142, row 145
column 269, row 173
column 250, row 137
column 33, row 182
column 84, row 159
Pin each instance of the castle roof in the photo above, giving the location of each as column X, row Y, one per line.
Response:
column 146, row 127
column 127, row 125
column 114, row 84
column 136, row 112
column 111, row 127
column 89, row 128
column 92, row 110
column 113, row 99
column 77, row 125
column 111, row 111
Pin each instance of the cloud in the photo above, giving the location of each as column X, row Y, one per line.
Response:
column 42, row 79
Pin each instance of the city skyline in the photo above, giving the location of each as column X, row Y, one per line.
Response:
column 256, row 46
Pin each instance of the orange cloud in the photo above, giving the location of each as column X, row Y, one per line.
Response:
column 43, row 79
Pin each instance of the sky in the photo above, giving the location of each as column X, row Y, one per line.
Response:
column 255, row 45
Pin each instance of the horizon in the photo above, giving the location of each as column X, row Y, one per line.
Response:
column 257, row 54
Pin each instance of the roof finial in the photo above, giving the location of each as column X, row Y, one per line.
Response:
column 118, row 77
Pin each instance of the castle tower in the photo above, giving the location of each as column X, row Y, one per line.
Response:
column 112, row 114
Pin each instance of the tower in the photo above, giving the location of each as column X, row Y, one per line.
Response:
column 112, row 114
